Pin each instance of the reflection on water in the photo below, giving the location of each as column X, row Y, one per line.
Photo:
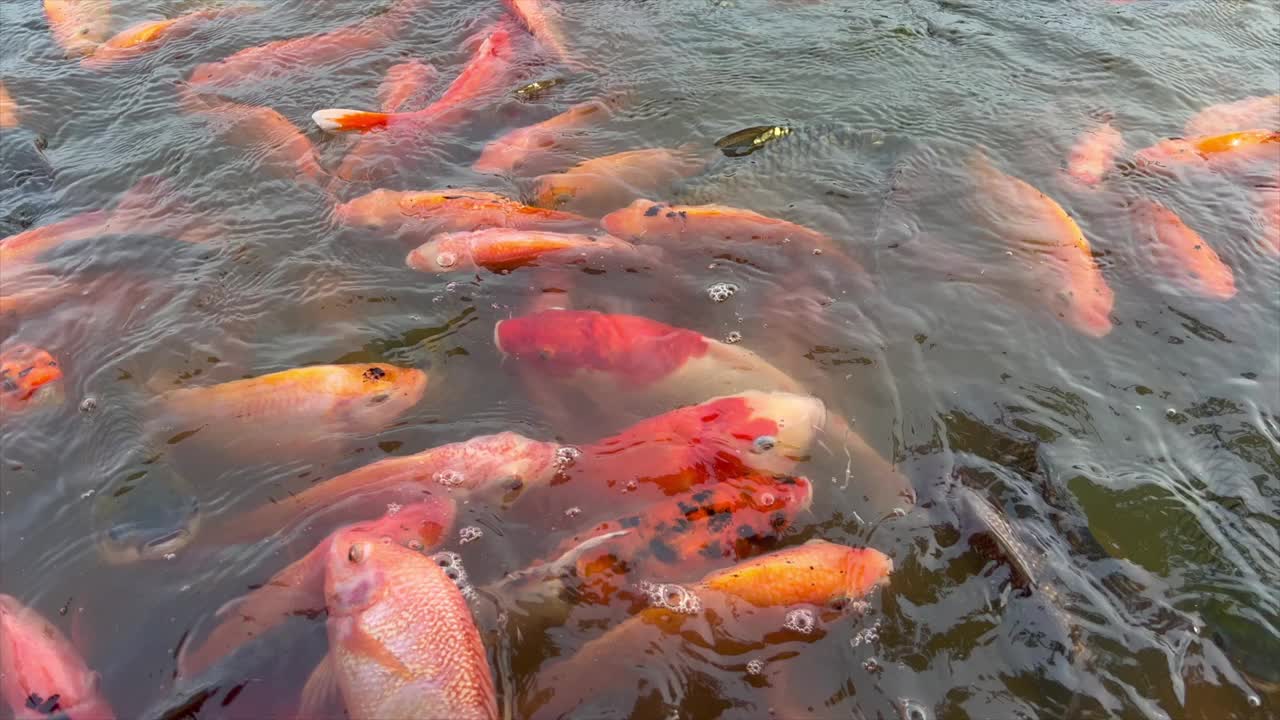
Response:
column 1096, row 533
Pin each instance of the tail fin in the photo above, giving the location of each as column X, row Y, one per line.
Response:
column 336, row 120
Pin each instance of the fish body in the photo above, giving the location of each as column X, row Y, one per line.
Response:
column 29, row 377
column 79, row 26
column 10, row 116
column 272, row 412
column 1180, row 253
column 402, row 641
column 1080, row 294
column 418, row 215
column 502, row 250
column 1244, row 114
column 1219, row 151
column 530, row 145
column 148, row 35
column 406, row 86
column 539, row 16
column 271, row 137
column 1094, row 154
column 600, row 185
column 41, row 674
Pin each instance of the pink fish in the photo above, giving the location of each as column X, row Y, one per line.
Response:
column 273, row 140
column 41, row 674
column 503, row 250
column 1180, row 253
column 406, row 85
column 1250, row 112
column 532, row 145
column 1094, row 154
column 79, row 26
column 539, row 16
column 148, row 35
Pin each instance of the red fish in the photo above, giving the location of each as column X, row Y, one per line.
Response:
column 1180, row 253
column 299, row 588
column 148, row 35
column 1216, row 150
column 1094, row 154
column 539, row 16
column 29, row 377
column 402, row 641
column 771, row 599
column 595, row 187
column 531, row 145
column 418, row 215
column 406, row 85
column 271, row 138
column 41, row 674
column 502, row 250
column 1250, row 112
column 287, row 57
column 78, row 25
column 9, row 115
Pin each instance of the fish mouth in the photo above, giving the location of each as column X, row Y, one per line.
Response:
column 50, row 394
column 130, row 544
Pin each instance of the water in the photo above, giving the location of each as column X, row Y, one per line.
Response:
column 1142, row 470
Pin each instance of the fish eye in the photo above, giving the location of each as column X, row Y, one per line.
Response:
column 415, row 545
column 375, row 373
column 379, row 399
column 764, row 444
column 357, row 553
column 446, row 259
column 10, row 386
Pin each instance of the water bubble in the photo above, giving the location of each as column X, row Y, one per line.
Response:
column 870, row 665
column 721, row 291
column 755, row 667
column 801, row 620
column 449, row 478
column 733, row 337
column 446, row 259
column 670, row 596
column 574, row 511
column 393, row 508
column 817, row 251
column 1254, row 701
column 170, row 556
column 632, row 486
column 451, row 564
column 469, row 533
column 764, row 444
column 767, row 498
column 567, row 455
column 87, row 494
column 1171, row 413
column 866, row 635
column 89, row 404
column 910, row 709
column 451, row 287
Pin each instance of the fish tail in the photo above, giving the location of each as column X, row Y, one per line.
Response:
column 336, row 120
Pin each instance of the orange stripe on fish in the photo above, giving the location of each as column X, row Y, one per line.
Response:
column 339, row 120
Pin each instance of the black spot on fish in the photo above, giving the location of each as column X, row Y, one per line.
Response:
column 10, row 386
column 703, row 497
column 686, row 508
column 720, row 522
column 375, row 373
column 671, row 214
column 26, row 371
column 682, row 525
column 44, row 706
column 662, row 551
column 684, row 214
column 653, row 210
column 630, row 522
column 711, row 550
column 746, row 532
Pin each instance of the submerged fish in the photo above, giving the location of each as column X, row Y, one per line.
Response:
column 29, row 378
column 1072, row 283
column 273, row 140
column 418, row 215
column 597, row 186
column 1094, row 154
column 402, row 641
column 748, row 140
column 501, row 250
column 1179, row 252
column 78, row 25
column 1250, row 112
column 9, row 111
column 1222, row 151
column 535, row 89
column 41, row 674
column 282, row 410
column 406, row 86
column 534, row 144
column 299, row 587
column 539, row 16
column 148, row 35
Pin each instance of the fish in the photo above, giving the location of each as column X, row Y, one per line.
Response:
column 148, row 35
column 298, row 589
column 537, row 143
column 1244, row 114
column 1179, row 253
column 540, row 18
column 79, row 26
column 1094, row 153
column 748, row 140
column 1220, row 151
column 402, row 640
column 502, row 250
column 274, row 413
column 283, row 58
column 29, row 377
column 419, row 215
column 10, row 113
column 406, row 86
column 274, row 142
column 600, row 185
column 1072, row 282
column 41, row 673
column 536, row 89
column 1266, row 209
column 744, row 607
column 486, row 464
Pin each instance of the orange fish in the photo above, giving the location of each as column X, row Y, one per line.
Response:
column 1073, row 285
column 276, row 411
column 299, row 588
column 503, row 250
column 1250, row 112
column 151, row 34
column 78, row 25
column 597, row 186
column 502, row 462
column 753, row 605
column 29, row 377
column 269, row 136
column 402, row 640
column 539, row 16
column 1245, row 145
column 418, row 215
column 9, row 116
column 41, row 674
column 406, row 85
column 530, row 145
column 1094, row 154
column 1180, row 253
column 286, row 57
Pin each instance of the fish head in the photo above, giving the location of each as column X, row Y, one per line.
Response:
column 1168, row 152
column 374, row 394
column 29, row 377
column 558, row 191
column 1088, row 308
column 768, row 431
column 419, row 526
column 502, row 156
column 376, row 210
column 643, row 218
column 781, row 493
column 446, row 252
column 44, row 668
column 865, row 569
column 79, row 26
column 356, row 571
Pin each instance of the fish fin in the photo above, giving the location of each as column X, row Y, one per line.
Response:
column 362, row 643
column 321, row 691
column 336, row 120
column 569, row 560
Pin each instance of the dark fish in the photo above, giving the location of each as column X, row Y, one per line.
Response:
column 26, row 179
column 151, row 513
column 536, row 89
column 748, row 140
